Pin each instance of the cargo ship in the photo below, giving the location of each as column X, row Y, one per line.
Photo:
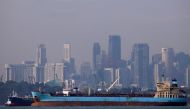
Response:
column 167, row 94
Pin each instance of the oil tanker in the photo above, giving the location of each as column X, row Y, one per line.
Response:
column 167, row 94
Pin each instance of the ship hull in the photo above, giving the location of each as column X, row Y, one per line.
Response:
column 76, row 103
column 17, row 101
column 49, row 100
column 19, row 104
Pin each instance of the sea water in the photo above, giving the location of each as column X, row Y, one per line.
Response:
column 101, row 107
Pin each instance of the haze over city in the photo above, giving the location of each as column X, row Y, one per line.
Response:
column 27, row 23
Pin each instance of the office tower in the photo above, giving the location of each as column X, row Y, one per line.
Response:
column 69, row 69
column 39, row 73
column 114, row 50
column 54, row 71
column 182, row 61
column 157, row 58
column 41, row 55
column 125, row 77
column 69, row 62
column 85, row 71
column 187, row 77
column 168, row 60
column 29, row 75
column 157, row 73
column 41, row 60
column 96, row 54
column 157, row 68
column 67, row 52
column 140, row 65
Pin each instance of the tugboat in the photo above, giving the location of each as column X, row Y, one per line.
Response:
column 167, row 94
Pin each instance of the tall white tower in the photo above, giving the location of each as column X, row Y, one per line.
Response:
column 187, row 75
column 167, row 60
column 67, row 52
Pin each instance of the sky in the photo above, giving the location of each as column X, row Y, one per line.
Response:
column 24, row 24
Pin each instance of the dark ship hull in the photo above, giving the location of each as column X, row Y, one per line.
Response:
column 18, row 101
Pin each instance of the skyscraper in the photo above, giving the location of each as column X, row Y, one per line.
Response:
column 96, row 53
column 168, row 60
column 182, row 61
column 69, row 62
column 187, row 77
column 85, row 71
column 41, row 60
column 114, row 50
column 20, row 72
column 54, row 71
column 157, row 68
column 67, row 52
column 41, row 55
column 140, row 65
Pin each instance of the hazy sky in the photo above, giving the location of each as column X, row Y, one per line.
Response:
column 24, row 24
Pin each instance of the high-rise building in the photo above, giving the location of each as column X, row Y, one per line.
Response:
column 85, row 71
column 157, row 69
column 54, row 71
column 157, row 58
column 168, row 60
column 96, row 54
column 41, row 60
column 67, row 52
column 182, row 61
column 157, row 73
column 41, row 55
column 125, row 77
column 140, row 65
column 187, row 77
column 114, row 50
column 29, row 75
column 69, row 62
column 20, row 72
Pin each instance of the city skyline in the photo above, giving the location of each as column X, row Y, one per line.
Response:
column 128, row 56
column 138, row 67
column 161, row 24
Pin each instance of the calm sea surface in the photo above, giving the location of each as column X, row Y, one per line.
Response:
column 103, row 107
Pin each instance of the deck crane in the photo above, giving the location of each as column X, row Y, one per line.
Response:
column 112, row 85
